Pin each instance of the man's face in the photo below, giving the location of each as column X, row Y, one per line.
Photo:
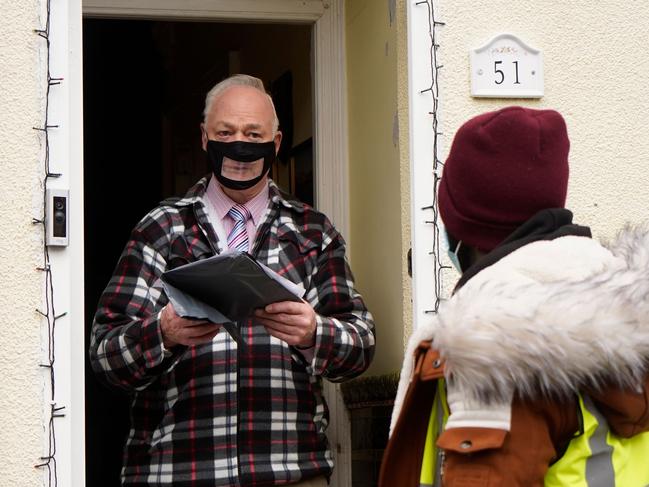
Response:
column 240, row 113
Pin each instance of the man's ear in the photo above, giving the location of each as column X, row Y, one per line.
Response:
column 204, row 137
column 278, row 141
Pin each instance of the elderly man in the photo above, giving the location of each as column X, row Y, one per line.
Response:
column 205, row 410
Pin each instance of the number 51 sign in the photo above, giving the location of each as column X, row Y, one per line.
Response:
column 506, row 67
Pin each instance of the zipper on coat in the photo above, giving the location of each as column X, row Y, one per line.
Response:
column 215, row 252
column 441, row 454
column 259, row 239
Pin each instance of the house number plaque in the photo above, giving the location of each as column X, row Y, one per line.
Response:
column 506, row 67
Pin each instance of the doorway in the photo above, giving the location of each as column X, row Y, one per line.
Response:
column 144, row 88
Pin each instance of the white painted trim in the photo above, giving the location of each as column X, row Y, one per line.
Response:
column 421, row 162
column 330, row 150
column 77, row 284
column 67, row 263
column 231, row 10
column 332, row 187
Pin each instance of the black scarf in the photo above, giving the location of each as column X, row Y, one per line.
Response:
column 545, row 225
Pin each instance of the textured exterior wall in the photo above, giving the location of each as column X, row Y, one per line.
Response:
column 376, row 218
column 21, row 286
column 596, row 75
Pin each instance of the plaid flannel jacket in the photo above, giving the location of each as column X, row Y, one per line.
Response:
column 215, row 414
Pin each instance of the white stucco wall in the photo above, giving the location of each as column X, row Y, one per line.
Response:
column 21, row 286
column 596, row 75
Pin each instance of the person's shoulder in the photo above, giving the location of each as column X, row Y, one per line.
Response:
column 303, row 220
column 567, row 257
column 172, row 212
column 292, row 207
column 543, row 262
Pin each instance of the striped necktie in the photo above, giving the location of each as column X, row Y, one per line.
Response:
column 238, row 238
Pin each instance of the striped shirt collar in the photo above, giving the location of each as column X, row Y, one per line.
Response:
column 222, row 202
column 196, row 193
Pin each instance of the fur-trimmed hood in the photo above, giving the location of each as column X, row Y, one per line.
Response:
column 549, row 318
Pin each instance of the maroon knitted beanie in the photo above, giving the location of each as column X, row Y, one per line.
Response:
column 503, row 167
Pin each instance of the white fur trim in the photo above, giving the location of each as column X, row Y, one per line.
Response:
column 550, row 318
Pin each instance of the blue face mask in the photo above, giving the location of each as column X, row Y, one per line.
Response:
column 453, row 256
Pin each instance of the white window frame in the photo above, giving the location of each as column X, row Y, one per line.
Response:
column 331, row 178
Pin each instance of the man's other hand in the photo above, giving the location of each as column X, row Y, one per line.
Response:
column 289, row 321
column 181, row 331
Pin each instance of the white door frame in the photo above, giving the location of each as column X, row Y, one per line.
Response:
column 422, row 178
column 331, row 172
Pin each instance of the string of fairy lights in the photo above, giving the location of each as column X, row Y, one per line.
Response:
column 48, row 460
column 433, row 89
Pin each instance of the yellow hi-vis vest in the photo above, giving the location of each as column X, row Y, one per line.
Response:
column 430, row 471
column 596, row 458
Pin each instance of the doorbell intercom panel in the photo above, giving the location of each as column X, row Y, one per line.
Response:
column 58, row 217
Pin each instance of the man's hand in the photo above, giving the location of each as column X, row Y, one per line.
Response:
column 181, row 331
column 291, row 322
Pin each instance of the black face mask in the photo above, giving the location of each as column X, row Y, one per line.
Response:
column 246, row 152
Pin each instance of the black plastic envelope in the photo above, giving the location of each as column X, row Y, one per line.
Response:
column 232, row 284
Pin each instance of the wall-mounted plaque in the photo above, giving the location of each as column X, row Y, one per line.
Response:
column 506, row 67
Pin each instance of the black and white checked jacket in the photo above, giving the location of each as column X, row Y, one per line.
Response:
column 215, row 414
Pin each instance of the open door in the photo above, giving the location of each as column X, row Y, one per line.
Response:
column 144, row 90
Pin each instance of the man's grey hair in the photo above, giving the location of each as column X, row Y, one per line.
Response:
column 238, row 80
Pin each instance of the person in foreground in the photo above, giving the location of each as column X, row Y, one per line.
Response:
column 205, row 411
column 535, row 371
